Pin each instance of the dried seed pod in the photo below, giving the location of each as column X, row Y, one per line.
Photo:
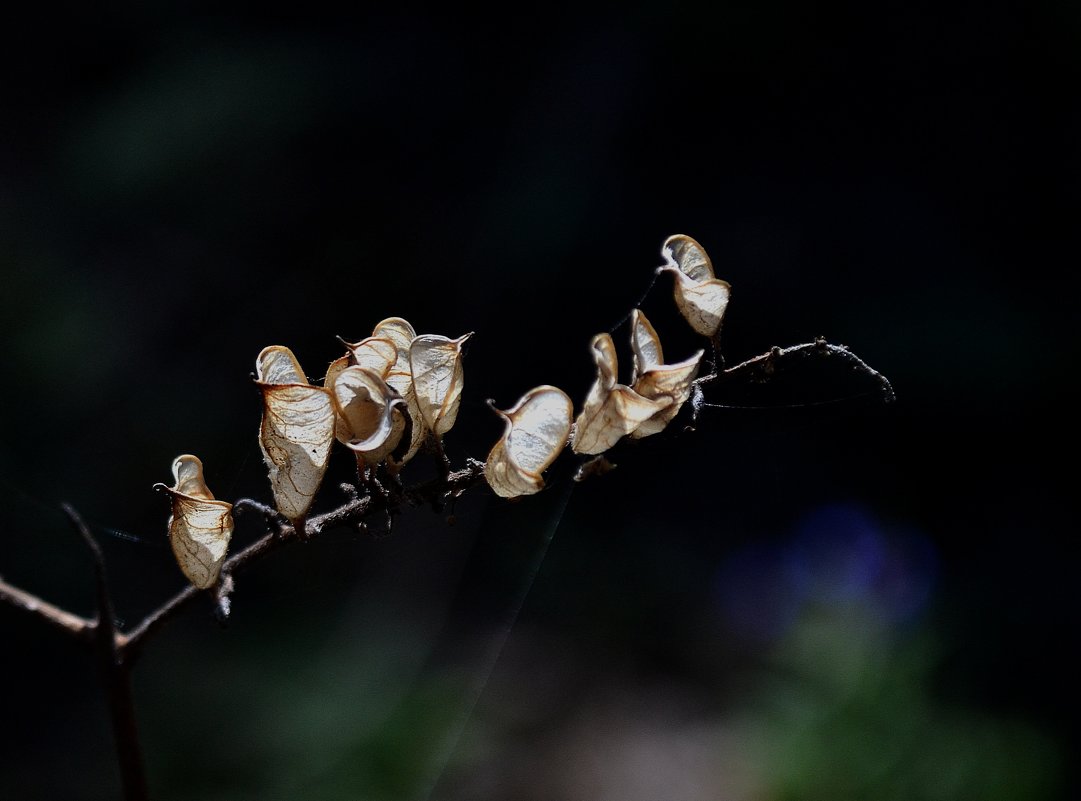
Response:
column 377, row 354
column 701, row 297
column 297, row 430
column 655, row 380
column 536, row 432
column 435, row 363
column 645, row 344
column 334, row 369
column 369, row 414
column 611, row 410
column 200, row 527
column 401, row 333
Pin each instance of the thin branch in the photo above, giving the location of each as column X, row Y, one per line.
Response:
column 761, row 368
column 351, row 512
column 118, row 651
column 115, row 674
column 354, row 511
column 106, row 622
column 80, row 627
column 132, row 641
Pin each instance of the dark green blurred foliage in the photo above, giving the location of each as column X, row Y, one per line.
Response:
column 850, row 711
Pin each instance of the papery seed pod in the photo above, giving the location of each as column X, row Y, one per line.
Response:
column 611, row 410
column 655, row 380
column 200, row 527
column 536, row 432
column 435, row 362
column 645, row 344
column 296, row 432
column 370, row 418
column 701, row 297
column 334, row 369
column 377, row 354
column 401, row 333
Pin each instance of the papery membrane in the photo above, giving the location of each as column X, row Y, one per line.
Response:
column 334, row 369
column 536, row 432
column 369, row 421
column 200, row 527
column 296, row 432
column 700, row 297
column 435, row 363
column 656, row 380
column 612, row 410
column 645, row 344
column 377, row 354
column 401, row 333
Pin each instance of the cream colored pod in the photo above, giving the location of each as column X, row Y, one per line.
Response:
column 611, row 410
column 700, row 296
column 200, row 527
column 367, row 422
column 400, row 377
column 377, row 354
column 536, row 431
column 435, row 363
column 296, row 432
column 655, row 380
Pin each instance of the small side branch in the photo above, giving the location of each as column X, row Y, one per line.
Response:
column 106, row 617
column 353, row 511
column 761, row 368
column 80, row 627
column 115, row 674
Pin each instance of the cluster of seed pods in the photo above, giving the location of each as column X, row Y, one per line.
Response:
column 394, row 390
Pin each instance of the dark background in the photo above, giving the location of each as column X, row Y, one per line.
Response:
column 837, row 601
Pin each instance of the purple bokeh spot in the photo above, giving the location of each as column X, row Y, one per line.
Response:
column 839, row 555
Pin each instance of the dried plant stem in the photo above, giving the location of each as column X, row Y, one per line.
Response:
column 761, row 368
column 118, row 651
column 357, row 508
column 115, row 674
column 352, row 511
column 80, row 627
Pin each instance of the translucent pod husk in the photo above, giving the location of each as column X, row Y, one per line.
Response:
column 612, row 410
column 700, row 296
column 401, row 333
column 377, row 354
column 200, row 527
column 370, row 421
column 435, row 363
column 645, row 344
column 334, row 369
column 655, row 380
column 296, row 433
column 535, row 432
